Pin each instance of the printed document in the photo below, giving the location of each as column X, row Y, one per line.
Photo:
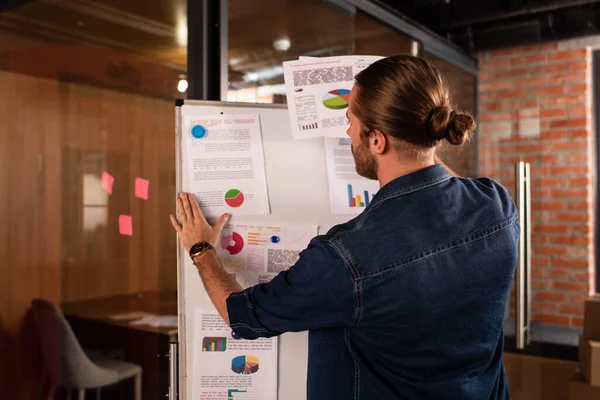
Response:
column 318, row 90
column 226, row 164
column 349, row 193
column 225, row 365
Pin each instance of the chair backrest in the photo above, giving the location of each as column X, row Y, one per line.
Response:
column 64, row 360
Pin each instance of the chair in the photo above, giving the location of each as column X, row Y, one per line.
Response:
column 66, row 364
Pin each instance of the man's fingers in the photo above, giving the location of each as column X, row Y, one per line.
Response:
column 221, row 221
column 176, row 224
column 195, row 207
column 187, row 208
column 180, row 211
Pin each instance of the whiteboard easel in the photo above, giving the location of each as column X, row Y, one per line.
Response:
column 298, row 192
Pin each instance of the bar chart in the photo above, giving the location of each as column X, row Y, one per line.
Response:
column 214, row 344
column 359, row 200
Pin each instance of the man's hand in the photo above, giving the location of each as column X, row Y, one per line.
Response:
column 192, row 227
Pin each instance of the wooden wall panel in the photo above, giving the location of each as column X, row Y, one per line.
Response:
column 51, row 134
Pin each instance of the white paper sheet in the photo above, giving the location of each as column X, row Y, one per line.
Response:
column 227, row 367
column 349, row 193
column 227, row 168
column 317, row 92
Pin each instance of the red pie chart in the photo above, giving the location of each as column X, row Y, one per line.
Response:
column 233, row 243
column 234, row 198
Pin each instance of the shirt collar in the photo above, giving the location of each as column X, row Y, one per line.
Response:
column 413, row 182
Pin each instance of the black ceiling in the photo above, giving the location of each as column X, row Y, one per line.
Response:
column 477, row 25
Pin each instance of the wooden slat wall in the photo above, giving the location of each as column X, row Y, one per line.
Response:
column 49, row 130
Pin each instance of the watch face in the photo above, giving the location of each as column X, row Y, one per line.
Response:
column 197, row 248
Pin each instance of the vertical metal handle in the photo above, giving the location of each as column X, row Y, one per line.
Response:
column 520, row 270
column 523, row 271
column 527, row 254
column 173, row 381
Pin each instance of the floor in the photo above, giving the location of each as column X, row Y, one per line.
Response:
column 538, row 378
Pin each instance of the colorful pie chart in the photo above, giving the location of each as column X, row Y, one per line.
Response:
column 336, row 99
column 245, row 365
column 234, row 198
column 233, row 243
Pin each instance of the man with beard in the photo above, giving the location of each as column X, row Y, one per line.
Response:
column 406, row 301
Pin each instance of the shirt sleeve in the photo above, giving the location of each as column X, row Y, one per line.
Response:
column 316, row 292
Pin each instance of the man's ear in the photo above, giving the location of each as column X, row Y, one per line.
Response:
column 378, row 141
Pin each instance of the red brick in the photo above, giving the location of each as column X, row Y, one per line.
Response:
column 572, row 145
column 550, row 296
column 553, row 205
column 559, row 273
column 536, row 58
column 574, row 193
column 570, row 217
column 511, row 94
column 578, row 298
column 578, row 87
column 577, row 65
column 570, row 263
column 549, row 158
column 582, row 276
column 549, row 91
column 579, row 205
column 568, row 123
column 551, row 182
column 549, row 228
column 538, row 272
column 509, row 73
column 569, row 240
column 529, row 82
column 554, row 319
column 577, row 321
column 565, row 99
column 571, row 309
column 570, row 286
column 529, row 148
column 575, row 158
column 583, row 230
column 538, row 261
column 495, row 106
column 580, row 181
column 552, row 112
column 568, row 170
column 578, row 76
column 575, row 55
column 549, row 68
column 495, row 85
column 579, row 133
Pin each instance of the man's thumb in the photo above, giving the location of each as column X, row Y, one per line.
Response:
column 222, row 221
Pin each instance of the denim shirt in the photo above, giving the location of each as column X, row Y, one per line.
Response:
column 405, row 301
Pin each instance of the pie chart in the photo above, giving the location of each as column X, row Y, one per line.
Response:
column 233, row 243
column 336, row 99
column 245, row 365
column 234, row 198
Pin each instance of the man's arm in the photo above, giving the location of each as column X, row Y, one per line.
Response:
column 193, row 228
column 217, row 282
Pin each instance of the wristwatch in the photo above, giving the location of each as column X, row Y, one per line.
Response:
column 200, row 248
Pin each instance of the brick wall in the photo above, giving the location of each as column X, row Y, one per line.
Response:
column 535, row 106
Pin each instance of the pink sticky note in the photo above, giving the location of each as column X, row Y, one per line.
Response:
column 126, row 225
column 141, row 188
column 107, row 182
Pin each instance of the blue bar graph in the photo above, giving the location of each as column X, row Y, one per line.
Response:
column 350, row 196
column 358, row 200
